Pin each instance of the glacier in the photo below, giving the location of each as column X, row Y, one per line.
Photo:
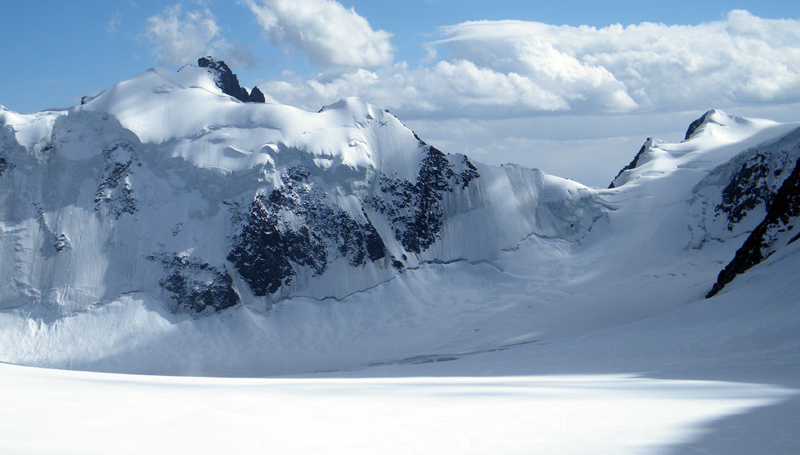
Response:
column 164, row 228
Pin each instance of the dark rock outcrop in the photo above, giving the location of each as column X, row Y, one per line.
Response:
column 753, row 184
column 257, row 96
column 632, row 164
column 228, row 82
column 294, row 227
column 413, row 208
column 4, row 164
column 771, row 232
column 114, row 192
column 225, row 79
column 195, row 286
column 61, row 243
column 696, row 124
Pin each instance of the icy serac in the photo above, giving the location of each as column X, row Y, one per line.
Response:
column 164, row 184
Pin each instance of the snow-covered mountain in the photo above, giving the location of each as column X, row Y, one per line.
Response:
column 167, row 226
column 176, row 225
column 165, row 184
column 748, row 186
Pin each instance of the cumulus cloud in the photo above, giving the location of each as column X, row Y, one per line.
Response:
column 448, row 89
column 328, row 33
column 181, row 37
column 742, row 59
column 518, row 69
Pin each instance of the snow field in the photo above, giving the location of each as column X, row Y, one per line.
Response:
column 548, row 317
column 52, row 411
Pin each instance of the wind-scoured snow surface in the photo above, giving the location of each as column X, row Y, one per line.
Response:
column 478, row 310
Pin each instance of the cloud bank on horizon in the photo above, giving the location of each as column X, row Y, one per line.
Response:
column 507, row 69
column 325, row 31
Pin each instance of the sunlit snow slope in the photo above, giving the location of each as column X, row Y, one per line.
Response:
column 165, row 186
column 165, row 227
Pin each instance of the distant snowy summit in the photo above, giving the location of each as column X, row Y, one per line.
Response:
column 168, row 184
column 749, row 186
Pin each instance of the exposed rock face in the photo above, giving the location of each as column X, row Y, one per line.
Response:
column 201, row 201
column 195, row 286
column 4, row 164
column 414, row 208
column 257, row 96
column 114, row 192
column 294, row 228
column 228, row 82
column 696, row 124
column 735, row 197
column 632, row 164
column 755, row 182
column 774, row 232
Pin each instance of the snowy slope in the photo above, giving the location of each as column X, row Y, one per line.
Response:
column 507, row 415
column 163, row 184
column 166, row 228
column 536, row 258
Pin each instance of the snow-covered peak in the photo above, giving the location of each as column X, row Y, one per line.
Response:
column 166, row 183
column 721, row 126
column 188, row 114
column 711, row 141
column 355, row 106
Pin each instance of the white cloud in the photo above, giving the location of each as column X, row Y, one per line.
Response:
column 237, row 55
column 515, row 69
column 744, row 59
column 328, row 33
column 590, row 149
column 449, row 89
column 181, row 37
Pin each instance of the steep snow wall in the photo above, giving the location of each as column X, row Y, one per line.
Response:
column 163, row 184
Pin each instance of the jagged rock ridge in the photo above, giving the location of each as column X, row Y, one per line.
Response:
column 229, row 82
column 696, row 124
column 632, row 164
column 775, row 229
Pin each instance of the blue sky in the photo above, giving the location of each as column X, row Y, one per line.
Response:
column 550, row 84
